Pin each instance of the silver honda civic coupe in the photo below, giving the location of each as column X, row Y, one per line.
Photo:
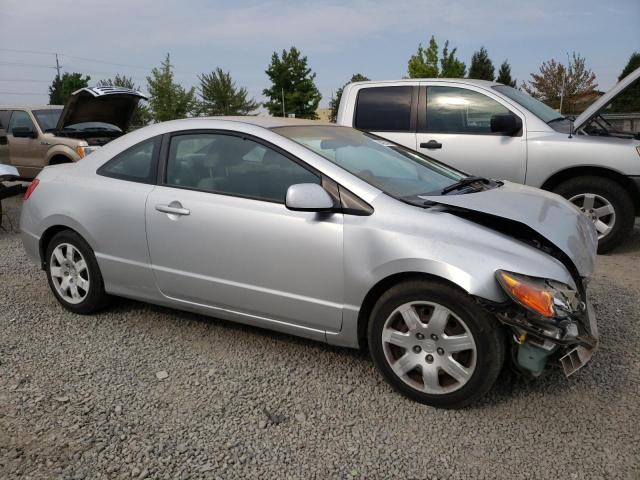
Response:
column 328, row 233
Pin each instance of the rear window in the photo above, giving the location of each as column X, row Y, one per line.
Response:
column 384, row 109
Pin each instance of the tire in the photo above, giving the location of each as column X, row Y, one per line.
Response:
column 431, row 300
column 602, row 190
column 64, row 254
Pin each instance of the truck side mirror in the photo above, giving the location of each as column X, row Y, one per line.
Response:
column 506, row 124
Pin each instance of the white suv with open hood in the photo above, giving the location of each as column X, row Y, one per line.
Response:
column 497, row 131
column 33, row 137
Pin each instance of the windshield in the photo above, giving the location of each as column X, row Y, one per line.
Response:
column 393, row 169
column 539, row 109
column 47, row 119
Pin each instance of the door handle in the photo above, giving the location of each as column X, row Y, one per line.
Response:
column 431, row 145
column 174, row 208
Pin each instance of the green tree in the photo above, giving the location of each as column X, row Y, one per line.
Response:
column 629, row 100
column 450, row 66
column 141, row 115
column 292, row 79
column 62, row 87
column 578, row 85
column 169, row 100
column 424, row 64
column 504, row 75
column 334, row 104
column 220, row 96
column 481, row 66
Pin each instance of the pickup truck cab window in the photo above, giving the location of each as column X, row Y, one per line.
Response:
column 459, row 110
column 384, row 109
column 20, row 118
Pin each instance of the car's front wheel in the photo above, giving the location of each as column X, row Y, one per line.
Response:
column 73, row 273
column 606, row 203
column 434, row 344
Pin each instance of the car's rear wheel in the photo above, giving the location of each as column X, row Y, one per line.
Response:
column 606, row 203
column 434, row 344
column 73, row 274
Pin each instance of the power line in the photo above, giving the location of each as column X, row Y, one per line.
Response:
column 23, row 80
column 93, row 60
column 23, row 93
column 20, row 64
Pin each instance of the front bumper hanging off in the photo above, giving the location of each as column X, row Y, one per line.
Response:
column 569, row 342
column 576, row 358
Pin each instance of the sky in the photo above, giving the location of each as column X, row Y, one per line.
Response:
column 376, row 38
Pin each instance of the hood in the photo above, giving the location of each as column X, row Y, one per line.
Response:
column 605, row 99
column 546, row 213
column 112, row 105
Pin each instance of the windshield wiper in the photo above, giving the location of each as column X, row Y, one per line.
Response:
column 557, row 119
column 463, row 183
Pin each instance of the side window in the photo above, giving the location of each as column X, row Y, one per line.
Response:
column 385, row 109
column 136, row 164
column 232, row 165
column 4, row 119
column 458, row 110
column 20, row 119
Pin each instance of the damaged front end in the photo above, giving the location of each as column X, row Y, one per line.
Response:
column 551, row 323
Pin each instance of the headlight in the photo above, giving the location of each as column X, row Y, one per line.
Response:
column 545, row 297
column 83, row 151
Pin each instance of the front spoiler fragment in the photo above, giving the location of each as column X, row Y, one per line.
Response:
column 579, row 356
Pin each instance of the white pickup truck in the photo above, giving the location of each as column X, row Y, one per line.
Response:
column 489, row 129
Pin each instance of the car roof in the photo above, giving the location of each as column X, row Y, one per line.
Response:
column 466, row 81
column 29, row 107
column 268, row 122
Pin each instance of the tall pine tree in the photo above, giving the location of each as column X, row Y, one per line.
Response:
column 504, row 75
column 481, row 66
column 292, row 79
column 450, row 66
column 168, row 100
column 220, row 96
column 424, row 64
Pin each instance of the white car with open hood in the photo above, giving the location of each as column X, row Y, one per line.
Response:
column 497, row 131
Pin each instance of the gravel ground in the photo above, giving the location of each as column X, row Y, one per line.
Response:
column 146, row 392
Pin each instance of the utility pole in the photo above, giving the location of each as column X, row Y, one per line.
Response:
column 57, row 65
column 564, row 82
column 283, row 110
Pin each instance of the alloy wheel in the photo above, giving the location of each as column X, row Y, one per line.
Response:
column 598, row 209
column 429, row 347
column 69, row 273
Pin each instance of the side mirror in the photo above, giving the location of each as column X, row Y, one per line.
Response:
column 308, row 197
column 506, row 124
column 23, row 132
column 8, row 172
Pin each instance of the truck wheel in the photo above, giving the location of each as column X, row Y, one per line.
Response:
column 606, row 203
column 434, row 344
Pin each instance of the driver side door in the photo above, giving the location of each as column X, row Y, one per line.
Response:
column 24, row 153
column 454, row 127
column 221, row 238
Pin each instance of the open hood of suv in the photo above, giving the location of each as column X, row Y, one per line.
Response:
column 546, row 213
column 112, row 105
column 605, row 99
